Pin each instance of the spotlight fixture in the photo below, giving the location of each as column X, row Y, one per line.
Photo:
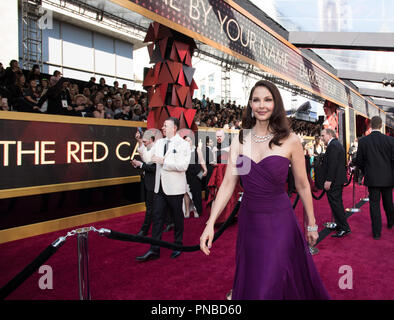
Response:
column 385, row 82
column 392, row 82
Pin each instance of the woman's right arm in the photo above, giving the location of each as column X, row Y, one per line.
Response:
column 202, row 161
column 224, row 194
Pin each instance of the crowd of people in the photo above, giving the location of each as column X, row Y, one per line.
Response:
column 214, row 115
column 229, row 116
column 33, row 91
column 305, row 128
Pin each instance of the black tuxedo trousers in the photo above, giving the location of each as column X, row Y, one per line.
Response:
column 334, row 196
column 374, row 205
column 149, row 195
column 161, row 204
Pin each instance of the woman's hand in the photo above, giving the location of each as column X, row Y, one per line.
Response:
column 207, row 235
column 312, row 237
column 138, row 136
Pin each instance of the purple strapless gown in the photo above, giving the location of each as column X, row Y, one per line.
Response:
column 272, row 257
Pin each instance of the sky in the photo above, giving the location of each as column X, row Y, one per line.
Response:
column 331, row 15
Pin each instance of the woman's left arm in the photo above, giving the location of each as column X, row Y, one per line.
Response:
column 302, row 185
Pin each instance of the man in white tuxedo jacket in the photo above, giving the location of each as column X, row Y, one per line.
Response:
column 172, row 156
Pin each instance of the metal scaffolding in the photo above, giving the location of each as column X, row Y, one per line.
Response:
column 225, row 61
column 31, row 34
column 226, row 84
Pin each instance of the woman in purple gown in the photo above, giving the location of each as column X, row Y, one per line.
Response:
column 272, row 255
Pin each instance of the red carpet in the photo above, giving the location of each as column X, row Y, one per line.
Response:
column 114, row 273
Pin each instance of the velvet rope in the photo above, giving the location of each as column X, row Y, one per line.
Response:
column 134, row 238
column 52, row 248
column 319, row 197
column 296, row 201
column 30, row 268
column 324, row 191
column 350, row 179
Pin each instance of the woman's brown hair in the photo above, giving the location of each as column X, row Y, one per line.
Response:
column 278, row 123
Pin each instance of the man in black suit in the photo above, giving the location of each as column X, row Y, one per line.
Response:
column 334, row 173
column 148, row 181
column 375, row 158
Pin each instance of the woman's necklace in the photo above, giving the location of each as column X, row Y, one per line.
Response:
column 259, row 139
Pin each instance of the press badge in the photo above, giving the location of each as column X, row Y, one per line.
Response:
column 64, row 104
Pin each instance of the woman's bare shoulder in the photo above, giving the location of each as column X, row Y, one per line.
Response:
column 291, row 143
column 292, row 138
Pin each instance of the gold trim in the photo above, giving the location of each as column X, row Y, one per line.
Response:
column 347, row 131
column 360, row 113
column 210, row 129
column 35, row 229
column 156, row 17
column 28, row 191
column 25, row 116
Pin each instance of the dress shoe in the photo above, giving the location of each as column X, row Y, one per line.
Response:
column 341, row 234
column 175, row 254
column 150, row 255
column 376, row 236
column 169, row 227
column 141, row 233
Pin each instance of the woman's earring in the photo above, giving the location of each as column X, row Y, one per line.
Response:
column 251, row 113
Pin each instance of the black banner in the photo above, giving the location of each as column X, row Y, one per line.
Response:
column 35, row 153
column 44, row 153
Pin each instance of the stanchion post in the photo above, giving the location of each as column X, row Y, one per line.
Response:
column 354, row 209
column 83, row 265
